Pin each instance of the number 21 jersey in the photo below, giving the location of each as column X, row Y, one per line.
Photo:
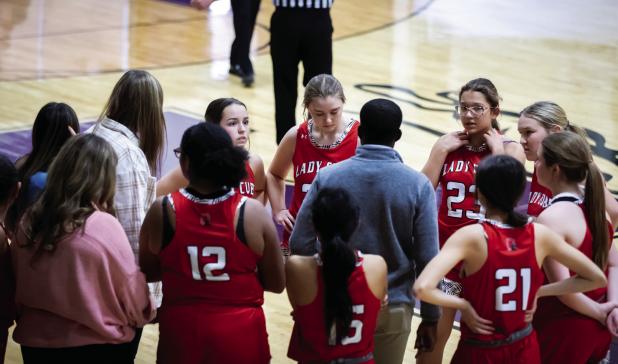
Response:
column 505, row 286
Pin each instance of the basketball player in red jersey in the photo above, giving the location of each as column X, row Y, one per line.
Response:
column 216, row 251
column 565, row 162
column 231, row 114
column 452, row 164
column 335, row 294
column 501, row 259
column 536, row 122
column 325, row 138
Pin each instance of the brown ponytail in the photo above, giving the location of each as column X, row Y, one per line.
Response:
column 594, row 205
column 572, row 154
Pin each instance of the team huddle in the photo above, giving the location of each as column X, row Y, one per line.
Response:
column 93, row 247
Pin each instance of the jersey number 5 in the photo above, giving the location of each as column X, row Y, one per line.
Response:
column 208, row 268
column 511, row 286
column 357, row 325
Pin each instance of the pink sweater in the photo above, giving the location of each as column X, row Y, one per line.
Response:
column 88, row 291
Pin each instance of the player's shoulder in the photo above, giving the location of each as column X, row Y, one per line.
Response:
column 374, row 264
column 299, row 269
column 541, row 230
column 253, row 207
column 471, row 236
column 559, row 213
column 255, row 160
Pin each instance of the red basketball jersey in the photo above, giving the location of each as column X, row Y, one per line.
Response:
column 206, row 262
column 551, row 307
column 247, row 185
column 587, row 339
column 539, row 197
column 309, row 342
column 458, row 206
column 309, row 159
column 503, row 289
column 211, row 291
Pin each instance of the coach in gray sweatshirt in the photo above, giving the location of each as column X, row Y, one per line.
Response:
column 398, row 220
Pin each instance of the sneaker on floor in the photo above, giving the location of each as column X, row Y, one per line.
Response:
column 246, row 78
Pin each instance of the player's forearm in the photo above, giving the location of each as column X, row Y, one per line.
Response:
column 275, row 188
column 436, row 297
column 433, row 167
column 612, row 284
column 576, row 301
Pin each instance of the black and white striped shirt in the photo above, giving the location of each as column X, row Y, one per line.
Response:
column 310, row 4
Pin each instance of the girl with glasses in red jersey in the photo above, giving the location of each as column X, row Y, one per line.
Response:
column 452, row 165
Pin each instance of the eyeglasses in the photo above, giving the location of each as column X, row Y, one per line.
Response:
column 177, row 152
column 476, row 110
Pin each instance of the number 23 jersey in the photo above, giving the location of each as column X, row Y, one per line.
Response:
column 458, row 206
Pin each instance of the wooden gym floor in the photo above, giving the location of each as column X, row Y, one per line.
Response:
column 416, row 52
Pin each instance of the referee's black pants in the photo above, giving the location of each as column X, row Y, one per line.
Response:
column 244, row 13
column 296, row 35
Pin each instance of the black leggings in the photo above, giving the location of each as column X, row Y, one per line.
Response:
column 94, row 354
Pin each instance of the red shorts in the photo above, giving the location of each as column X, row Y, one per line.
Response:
column 197, row 334
column 572, row 339
column 524, row 351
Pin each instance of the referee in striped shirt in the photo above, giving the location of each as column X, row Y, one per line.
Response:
column 300, row 30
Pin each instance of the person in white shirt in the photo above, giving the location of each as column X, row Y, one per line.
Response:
column 133, row 123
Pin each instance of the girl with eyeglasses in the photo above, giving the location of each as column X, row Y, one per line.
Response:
column 231, row 114
column 452, row 164
column 576, row 328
